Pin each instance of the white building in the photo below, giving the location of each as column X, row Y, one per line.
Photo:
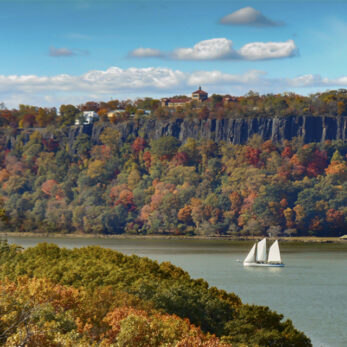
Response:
column 87, row 117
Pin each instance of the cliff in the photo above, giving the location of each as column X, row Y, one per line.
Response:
column 236, row 131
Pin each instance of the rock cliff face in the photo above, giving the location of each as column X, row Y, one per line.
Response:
column 236, row 131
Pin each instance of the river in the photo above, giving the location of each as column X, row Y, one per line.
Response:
column 311, row 289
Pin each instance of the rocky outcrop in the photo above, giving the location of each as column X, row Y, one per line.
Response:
column 236, row 131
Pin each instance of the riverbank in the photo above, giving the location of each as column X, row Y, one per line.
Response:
column 305, row 239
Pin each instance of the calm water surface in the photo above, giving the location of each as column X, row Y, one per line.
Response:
column 311, row 289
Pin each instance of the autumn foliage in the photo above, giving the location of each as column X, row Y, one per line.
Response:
column 113, row 185
column 98, row 297
column 37, row 312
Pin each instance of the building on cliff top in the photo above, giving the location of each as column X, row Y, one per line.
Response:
column 173, row 103
column 198, row 95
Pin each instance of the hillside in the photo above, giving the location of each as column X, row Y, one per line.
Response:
column 95, row 296
column 96, row 180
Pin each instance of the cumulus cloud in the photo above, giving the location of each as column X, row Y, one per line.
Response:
column 135, row 82
column 146, row 53
column 249, row 16
column 268, row 50
column 66, row 52
column 219, row 48
column 113, row 79
column 222, row 49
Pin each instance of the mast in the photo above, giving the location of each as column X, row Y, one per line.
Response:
column 261, row 251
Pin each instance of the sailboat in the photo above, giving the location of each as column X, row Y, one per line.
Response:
column 257, row 255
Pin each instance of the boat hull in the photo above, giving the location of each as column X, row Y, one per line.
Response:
column 263, row 265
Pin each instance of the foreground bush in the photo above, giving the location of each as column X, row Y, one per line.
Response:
column 108, row 289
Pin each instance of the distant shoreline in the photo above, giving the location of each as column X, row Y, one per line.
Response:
column 304, row 239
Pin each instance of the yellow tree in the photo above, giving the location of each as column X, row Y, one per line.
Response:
column 111, row 137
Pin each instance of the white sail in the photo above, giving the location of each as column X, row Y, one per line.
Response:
column 251, row 256
column 261, row 251
column 274, row 253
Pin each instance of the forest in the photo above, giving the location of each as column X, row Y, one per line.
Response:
column 92, row 296
column 164, row 187
column 140, row 186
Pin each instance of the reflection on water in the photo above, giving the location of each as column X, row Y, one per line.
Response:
column 267, row 269
column 311, row 289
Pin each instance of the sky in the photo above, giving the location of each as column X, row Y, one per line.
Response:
column 73, row 51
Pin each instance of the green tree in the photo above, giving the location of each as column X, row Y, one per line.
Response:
column 165, row 146
column 68, row 114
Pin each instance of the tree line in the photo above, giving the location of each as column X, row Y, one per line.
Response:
column 330, row 103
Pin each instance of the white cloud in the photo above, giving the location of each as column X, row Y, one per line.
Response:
column 268, row 50
column 219, row 48
column 310, row 80
column 135, row 82
column 66, row 52
column 222, row 49
column 249, row 16
column 111, row 80
column 146, row 53
column 219, row 78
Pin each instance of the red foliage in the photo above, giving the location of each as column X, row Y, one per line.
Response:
column 252, row 155
column 284, row 203
column 298, row 169
column 248, row 202
column 180, row 158
column 287, row 152
column 9, row 116
column 268, row 146
column 139, row 145
column 50, row 188
column 147, row 158
column 317, row 163
column 90, row 106
column 115, row 191
column 28, row 120
column 161, row 189
column 122, row 195
column 126, row 198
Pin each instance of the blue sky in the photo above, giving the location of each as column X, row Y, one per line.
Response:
column 75, row 51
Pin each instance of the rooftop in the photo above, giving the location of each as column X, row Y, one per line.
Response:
column 199, row 91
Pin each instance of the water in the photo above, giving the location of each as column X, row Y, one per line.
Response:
column 311, row 289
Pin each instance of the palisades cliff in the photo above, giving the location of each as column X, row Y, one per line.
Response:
column 237, row 131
